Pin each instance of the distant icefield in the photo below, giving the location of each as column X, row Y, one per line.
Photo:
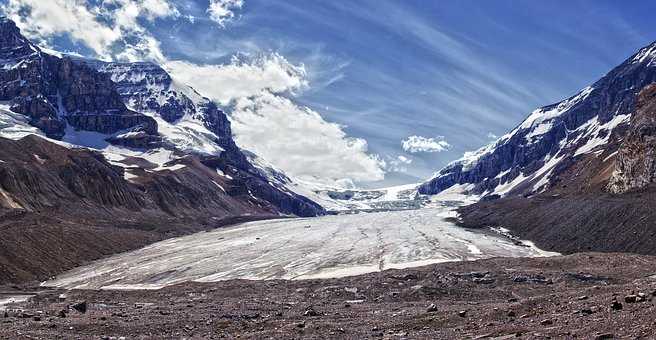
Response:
column 324, row 247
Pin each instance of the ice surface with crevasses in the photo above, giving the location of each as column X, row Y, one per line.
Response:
column 330, row 246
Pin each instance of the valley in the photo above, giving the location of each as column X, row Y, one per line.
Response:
column 128, row 209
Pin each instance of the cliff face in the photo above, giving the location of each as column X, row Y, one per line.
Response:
column 635, row 165
column 55, row 92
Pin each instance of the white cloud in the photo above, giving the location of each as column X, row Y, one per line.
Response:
column 243, row 77
column 295, row 139
column 398, row 164
column 301, row 142
column 111, row 29
column 404, row 159
column 222, row 11
column 414, row 144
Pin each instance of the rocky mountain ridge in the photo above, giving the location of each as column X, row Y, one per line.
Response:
column 529, row 159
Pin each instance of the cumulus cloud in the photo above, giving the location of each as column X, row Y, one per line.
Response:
column 242, row 77
column 301, row 142
column 414, row 144
column 267, row 122
column 111, row 29
column 222, row 11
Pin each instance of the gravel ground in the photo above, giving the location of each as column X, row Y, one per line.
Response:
column 576, row 296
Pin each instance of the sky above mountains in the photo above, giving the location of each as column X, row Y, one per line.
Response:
column 369, row 92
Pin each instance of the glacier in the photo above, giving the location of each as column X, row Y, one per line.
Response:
column 299, row 248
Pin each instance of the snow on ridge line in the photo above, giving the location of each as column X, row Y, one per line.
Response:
column 645, row 53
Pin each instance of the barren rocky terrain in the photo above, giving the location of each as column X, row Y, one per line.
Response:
column 587, row 296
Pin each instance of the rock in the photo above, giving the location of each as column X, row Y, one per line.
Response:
column 483, row 280
column 407, row 277
column 300, row 325
column 432, row 308
column 583, row 297
column 25, row 315
column 587, row 311
column 546, row 322
column 462, row 313
column 36, row 318
column 605, row 336
column 310, row 312
column 616, row 305
column 631, row 298
column 80, row 307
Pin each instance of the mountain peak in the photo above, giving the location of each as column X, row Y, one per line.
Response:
column 12, row 43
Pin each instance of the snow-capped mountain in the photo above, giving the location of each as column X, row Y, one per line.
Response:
column 135, row 114
column 531, row 157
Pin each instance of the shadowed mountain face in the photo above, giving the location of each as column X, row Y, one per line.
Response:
column 529, row 158
column 105, row 157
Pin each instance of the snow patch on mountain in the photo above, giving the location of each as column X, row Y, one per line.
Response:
column 15, row 125
column 598, row 134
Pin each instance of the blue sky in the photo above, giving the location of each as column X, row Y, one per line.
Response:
column 453, row 74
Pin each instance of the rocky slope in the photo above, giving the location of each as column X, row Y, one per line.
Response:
column 529, row 159
column 587, row 296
